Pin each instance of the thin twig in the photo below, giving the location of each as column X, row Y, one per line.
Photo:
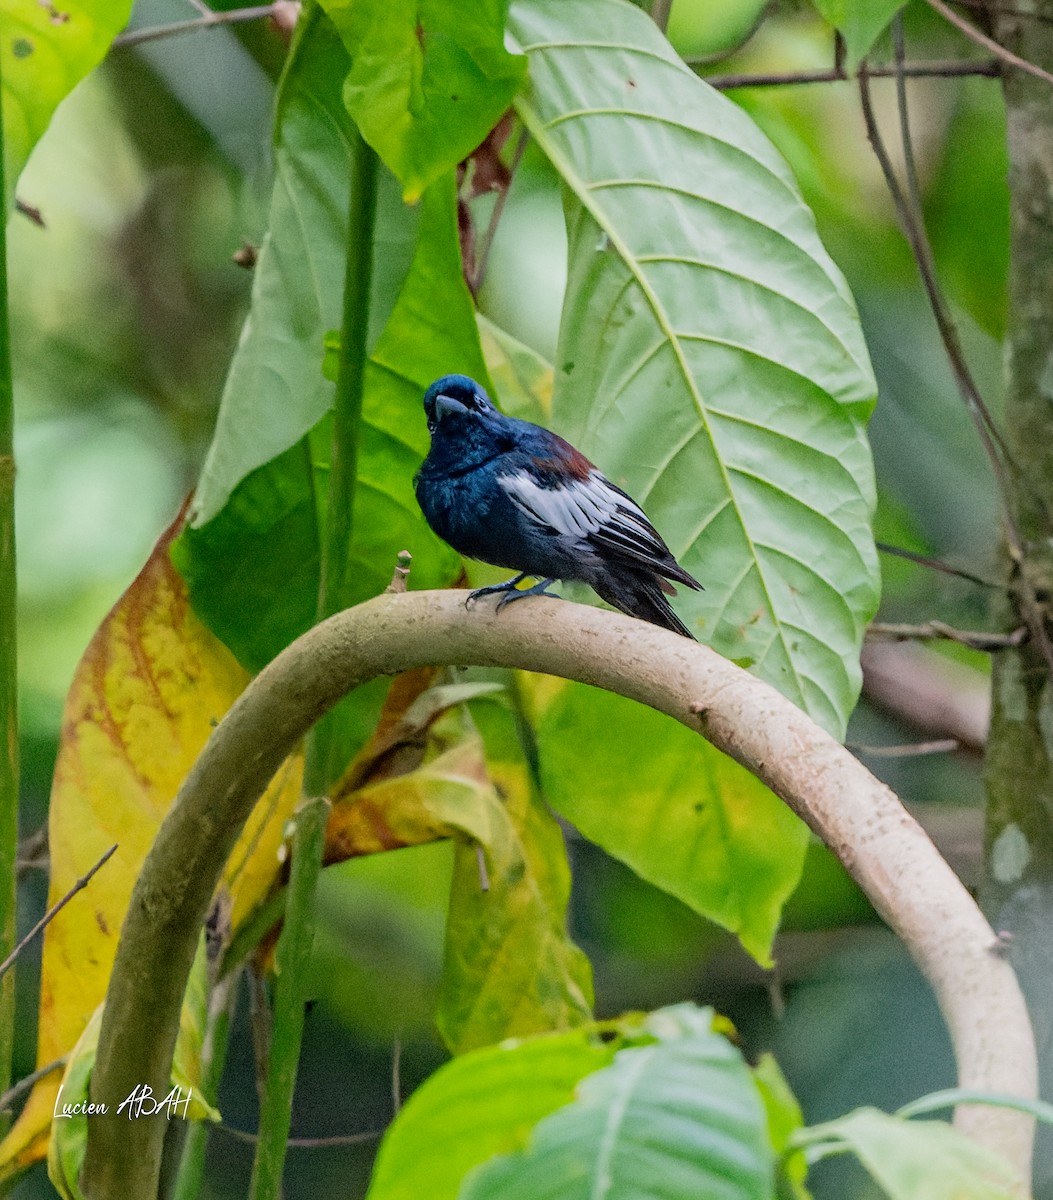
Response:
column 294, row 1143
column 773, row 981
column 981, row 39
column 484, row 875
column 703, row 60
column 32, row 852
column 53, row 912
column 499, row 207
column 937, row 630
column 1005, row 10
column 660, row 10
column 991, row 440
column 135, row 37
column 908, row 750
column 910, row 163
column 28, row 210
column 919, row 244
column 260, row 1024
column 941, row 69
column 396, row 1075
column 401, row 575
column 935, row 564
column 16, row 1091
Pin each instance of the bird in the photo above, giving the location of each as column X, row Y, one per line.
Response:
column 516, row 495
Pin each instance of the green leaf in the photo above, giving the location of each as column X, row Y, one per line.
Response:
column 1041, row 1110
column 431, row 332
column 429, row 80
column 46, row 50
column 915, row 1158
column 710, row 359
column 784, row 1119
column 275, row 391
column 522, row 378
column 860, row 22
column 684, row 816
column 511, row 968
column 676, row 1120
column 483, row 1103
column 255, row 525
column 252, row 573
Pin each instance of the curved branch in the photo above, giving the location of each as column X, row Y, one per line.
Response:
column 882, row 846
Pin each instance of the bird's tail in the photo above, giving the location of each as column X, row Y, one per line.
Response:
column 640, row 594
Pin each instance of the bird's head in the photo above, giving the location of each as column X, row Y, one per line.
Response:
column 458, row 398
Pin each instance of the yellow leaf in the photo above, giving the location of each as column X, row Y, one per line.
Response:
column 145, row 697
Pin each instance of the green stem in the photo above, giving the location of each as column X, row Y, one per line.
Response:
column 8, row 664
column 249, row 935
column 191, row 1175
column 323, row 752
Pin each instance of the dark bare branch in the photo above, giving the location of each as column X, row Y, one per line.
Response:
column 53, row 912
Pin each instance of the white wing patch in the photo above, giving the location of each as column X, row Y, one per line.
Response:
column 587, row 510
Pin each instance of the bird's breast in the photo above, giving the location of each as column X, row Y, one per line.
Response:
column 470, row 513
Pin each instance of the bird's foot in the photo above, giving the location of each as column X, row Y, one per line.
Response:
column 508, row 586
column 537, row 590
column 509, row 591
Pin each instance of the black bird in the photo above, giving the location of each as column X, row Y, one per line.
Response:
column 516, row 495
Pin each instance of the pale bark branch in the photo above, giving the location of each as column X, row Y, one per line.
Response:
column 881, row 845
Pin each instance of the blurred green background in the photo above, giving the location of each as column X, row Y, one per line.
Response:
column 126, row 307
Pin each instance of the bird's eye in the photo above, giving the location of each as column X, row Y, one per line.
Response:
column 432, row 424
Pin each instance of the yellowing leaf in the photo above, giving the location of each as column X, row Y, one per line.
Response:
column 46, row 49
column 511, row 968
column 66, row 1150
column 145, row 697
column 448, row 798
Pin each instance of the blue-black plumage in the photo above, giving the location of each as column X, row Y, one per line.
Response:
column 516, row 495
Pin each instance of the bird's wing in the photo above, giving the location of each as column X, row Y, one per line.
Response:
column 592, row 511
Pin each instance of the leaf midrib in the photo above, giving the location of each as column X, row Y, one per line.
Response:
column 569, row 174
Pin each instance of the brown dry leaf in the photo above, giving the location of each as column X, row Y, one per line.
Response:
column 151, row 686
column 392, row 813
column 360, row 821
column 393, row 748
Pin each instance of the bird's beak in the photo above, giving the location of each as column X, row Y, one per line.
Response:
column 447, row 404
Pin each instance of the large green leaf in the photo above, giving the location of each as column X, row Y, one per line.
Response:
column 653, row 794
column 429, row 79
column 915, row 1158
column 275, row 391
column 676, row 1120
column 710, row 356
column 45, row 50
column 483, row 1103
column 255, row 521
column 680, row 813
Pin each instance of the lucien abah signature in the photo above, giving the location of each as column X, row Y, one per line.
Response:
column 140, row 1102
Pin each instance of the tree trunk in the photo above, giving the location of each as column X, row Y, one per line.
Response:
column 1018, row 894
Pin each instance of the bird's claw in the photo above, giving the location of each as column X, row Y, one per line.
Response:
column 537, row 590
column 508, row 585
column 510, row 592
